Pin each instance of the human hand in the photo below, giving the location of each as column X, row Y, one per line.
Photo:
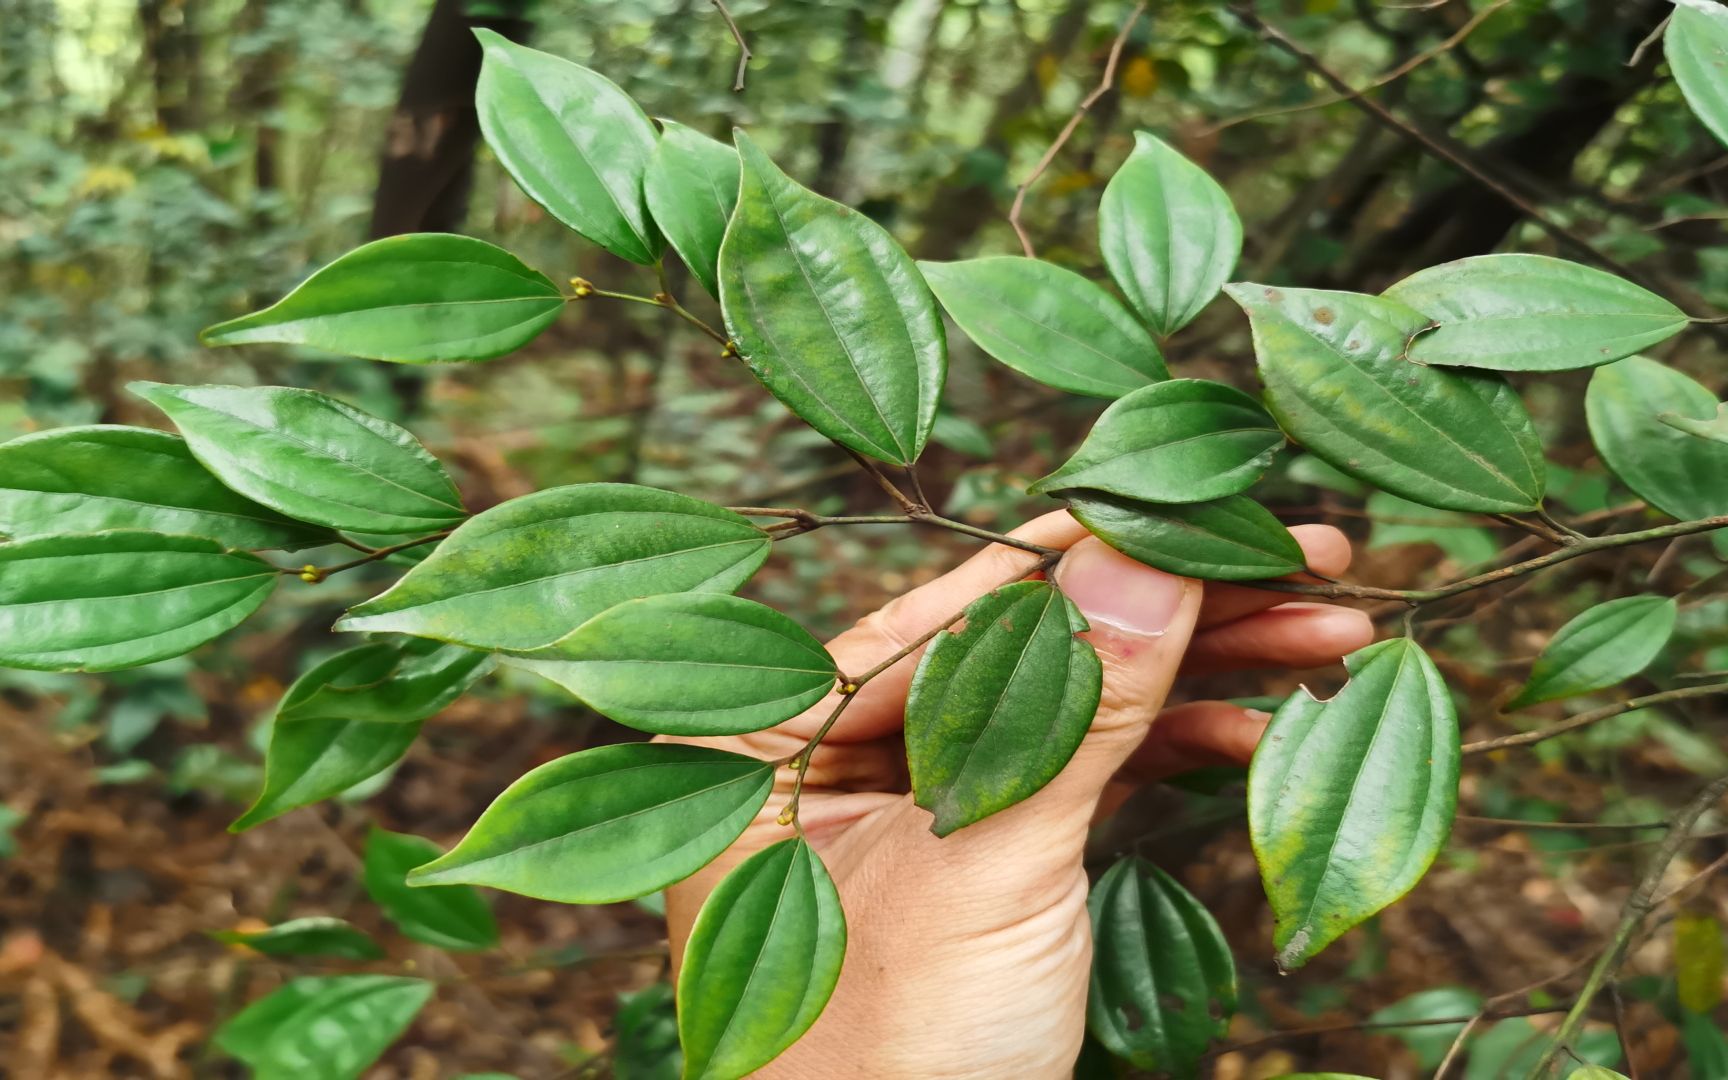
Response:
column 968, row 956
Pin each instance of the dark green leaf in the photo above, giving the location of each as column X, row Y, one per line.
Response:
column 1168, row 233
column 1229, row 539
column 1182, row 441
column 647, row 1027
column 609, row 824
column 417, row 299
column 90, row 479
column 448, row 916
column 316, row 936
column 1338, row 380
column 692, row 186
column 998, row 707
column 1350, row 799
column 311, row 457
column 1607, row 644
column 831, row 314
column 573, row 141
column 523, row 574
column 119, row 599
column 1163, row 980
column 763, row 957
column 1677, row 473
column 1715, row 428
column 1696, row 42
column 1048, row 323
column 691, row 664
column 1531, row 313
column 323, row 1028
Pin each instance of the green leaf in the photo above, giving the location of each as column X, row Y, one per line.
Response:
column 692, row 186
column 647, row 1027
column 1168, row 233
column 1339, row 382
column 609, row 824
column 1677, row 473
column 1607, row 644
column 323, row 1028
column 1429, row 1041
column 1511, row 1048
column 1163, row 980
column 418, row 299
column 1048, row 324
column 1229, row 539
column 763, row 957
column 998, row 707
column 1181, row 441
column 525, row 573
column 1350, row 799
column 1595, row 1072
column 1531, row 313
column 573, row 141
column 90, row 479
column 1308, row 469
column 316, row 936
column 1714, row 428
column 1706, row 1045
column 1695, row 43
column 311, row 457
column 831, row 314
column 447, row 916
column 691, row 664
column 120, row 599
column 963, row 436
column 1400, row 521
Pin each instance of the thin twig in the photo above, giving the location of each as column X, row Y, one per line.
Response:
column 1492, row 1003
column 1530, row 738
column 1637, row 55
column 1543, row 532
column 1520, row 823
column 801, row 521
column 1375, row 1025
column 1620, row 1031
column 744, row 53
column 1696, row 879
column 904, row 501
column 664, row 300
column 312, row 575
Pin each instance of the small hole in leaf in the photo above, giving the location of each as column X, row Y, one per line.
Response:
column 1132, row 1018
column 1170, row 1003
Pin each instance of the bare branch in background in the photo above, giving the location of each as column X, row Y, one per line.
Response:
column 744, row 53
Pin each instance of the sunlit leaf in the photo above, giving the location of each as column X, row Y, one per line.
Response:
column 448, row 916
column 1606, row 645
column 315, row 936
column 692, row 186
column 1695, row 43
column 1229, row 539
column 324, row 1027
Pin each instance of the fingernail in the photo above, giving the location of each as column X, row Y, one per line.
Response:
column 1109, row 587
column 1258, row 715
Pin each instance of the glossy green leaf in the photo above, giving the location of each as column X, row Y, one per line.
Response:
column 831, row 314
column 1163, row 979
column 315, row 936
column 1714, row 428
column 1428, row 1041
column 1606, row 645
column 1696, row 44
column 118, row 599
column 1229, row 539
column 1531, row 313
column 691, row 664
column 1339, row 382
column 609, row 824
column 1048, row 324
column 1168, row 233
column 523, row 574
column 90, row 479
column 1677, row 473
column 1181, row 441
column 1349, row 800
column 417, row 299
column 448, row 916
column 762, row 959
column 311, row 457
column 323, row 1027
column 692, row 186
column 573, row 141
column 999, row 706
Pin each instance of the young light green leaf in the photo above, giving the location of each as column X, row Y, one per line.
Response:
column 831, row 314
column 1350, row 800
column 573, row 141
column 1229, row 539
column 608, row 824
column 315, row 936
column 311, row 457
column 762, row 959
column 692, row 186
column 418, row 299
column 1048, row 324
column 1695, row 43
column 1595, row 1072
column 119, row 599
column 447, row 916
column 1715, row 428
column 525, row 573
column 1338, row 380
column 1181, row 441
column 1163, row 979
column 90, row 479
column 1605, row 645
column 323, row 1027
column 998, row 707
column 1677, row 473
column 1168, row 233
column 691, row 664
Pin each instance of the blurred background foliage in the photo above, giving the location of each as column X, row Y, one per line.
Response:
column 166, row 164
